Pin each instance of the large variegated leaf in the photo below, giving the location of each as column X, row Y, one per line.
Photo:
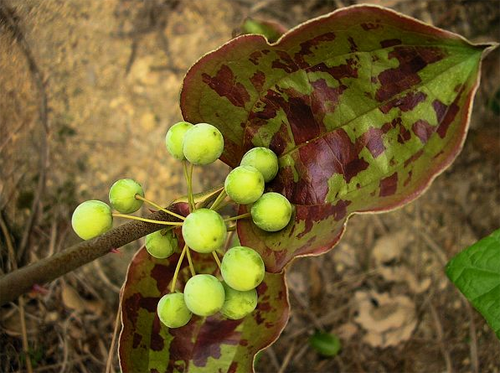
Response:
column 212, row 344
column 364, row 107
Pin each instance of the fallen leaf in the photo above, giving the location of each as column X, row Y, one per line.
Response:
column 388, row 320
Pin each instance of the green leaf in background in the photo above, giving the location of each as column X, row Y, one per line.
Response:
column 476, row 272
column 326, row 344
column 271, row 30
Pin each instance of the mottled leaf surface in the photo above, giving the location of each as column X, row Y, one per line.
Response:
column 364, row 107
column 476, row 272
column 212, row 344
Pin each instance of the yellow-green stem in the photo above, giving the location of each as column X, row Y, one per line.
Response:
column 217, row 260
column 242, row 216
column 131, row 217
column 177, row 269
column 145, row 200
column 164, row 231
column 188, row 175
column 190, row 261
column 218, row 200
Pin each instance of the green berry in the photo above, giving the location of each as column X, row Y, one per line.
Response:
column 238, row 304
column 244, row 185
column 91, row 219
column 204, row 231
column 172, row 310
column 203, row 144
column 271, row 212
column 264, row 160
column 175, row 138
column 204, row 295
column 160, row 245
column 242, row 268
column 122, row 196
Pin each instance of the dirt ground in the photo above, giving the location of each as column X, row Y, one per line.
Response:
column 88, row 90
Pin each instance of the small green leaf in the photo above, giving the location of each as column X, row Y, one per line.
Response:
column 271, row 30
column 476, row 272
column 326, row 344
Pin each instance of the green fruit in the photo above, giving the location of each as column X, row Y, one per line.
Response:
column 203, row 144
column 264, row 160
column 91, row 219
column 172, row 310
column 122, row 196
column 242, row 268
column 204, row 295
column 238, row 304
column 160, row 245
column 175, row 138
column 271, row 212
column 244, row 185
column 204, row 231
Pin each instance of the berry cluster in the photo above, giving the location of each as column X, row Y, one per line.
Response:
column 204, row 230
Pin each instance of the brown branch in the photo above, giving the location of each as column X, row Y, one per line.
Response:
column 22, row 280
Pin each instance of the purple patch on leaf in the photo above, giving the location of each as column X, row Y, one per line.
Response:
column 389, row 43
column 163, row 274
column 446, row 114
column 347, row 70
column 414, row 157
column 213, row 333
column 372, row 140
column 389, row 185
column 136, row 340
column 411, row 60
column 423, row 130
column 225, row 85
column 306, row 48
column 285, row 62
column 405, row 103
column 258, row 79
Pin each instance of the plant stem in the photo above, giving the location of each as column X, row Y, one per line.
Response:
column 145, row 200
column 242, row 216
column 190, row 261
column 45, row 270
column 145, row 220
column 219, row 199
column 163, row 232
column 177, row 269
column 217, row 260
column 189, row 181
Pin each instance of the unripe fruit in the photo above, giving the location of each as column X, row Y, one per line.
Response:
column 175, row 138
column 160, row 245
column 204, row 295
column 172, row 310
column 203, row 144
column 204, row 231
column 91, row 219
column 242, row 268
column 238, row 304
column 264, row 160
column 271, row 212
column 244, row 185
column 122, row 196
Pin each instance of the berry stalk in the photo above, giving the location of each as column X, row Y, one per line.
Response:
column 145, row 200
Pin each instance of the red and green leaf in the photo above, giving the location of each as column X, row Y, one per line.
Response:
column 364, row 107
column 212, row 344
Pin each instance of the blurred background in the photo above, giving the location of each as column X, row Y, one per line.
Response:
column 88, row 90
